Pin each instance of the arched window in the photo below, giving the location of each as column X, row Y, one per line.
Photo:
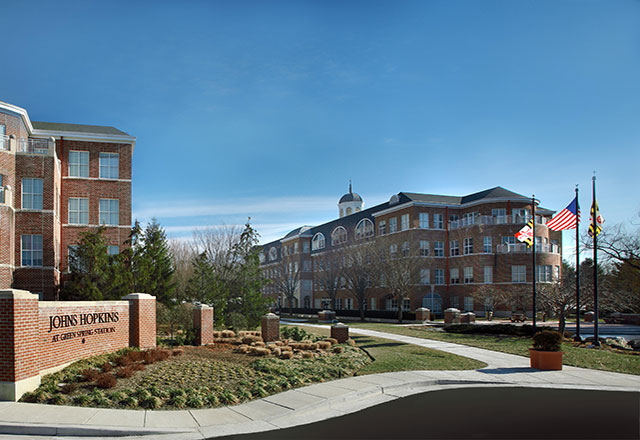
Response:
column 273, row 254
column 261, row 257
column 349, row 211
column 433, row 302
column 364, row 229
column 317, row 242
column 338, row 236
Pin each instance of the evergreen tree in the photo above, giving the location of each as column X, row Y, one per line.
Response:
column 153, row 263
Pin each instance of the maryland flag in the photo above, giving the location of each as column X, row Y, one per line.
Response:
column 526, row 233
column 599, row 219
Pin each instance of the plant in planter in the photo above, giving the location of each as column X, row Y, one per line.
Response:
column 546, row 354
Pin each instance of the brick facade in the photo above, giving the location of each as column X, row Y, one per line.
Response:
column 39, row 337
column 203, row 323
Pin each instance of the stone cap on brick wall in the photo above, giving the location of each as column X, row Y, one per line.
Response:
column 98, row 304
column 423, row 309
column 17, row 294
column 270, row 316
column 339, row 325
column 139, row 296
column 203, row 307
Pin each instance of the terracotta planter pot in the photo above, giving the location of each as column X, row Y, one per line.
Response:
column 545, row 360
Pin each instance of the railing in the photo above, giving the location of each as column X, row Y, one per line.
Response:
column 521, row 248
column 34, row 146
column 4, row 142
column 465, row 222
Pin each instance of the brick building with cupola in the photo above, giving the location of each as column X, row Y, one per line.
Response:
column 465, row 241
column 56, row 181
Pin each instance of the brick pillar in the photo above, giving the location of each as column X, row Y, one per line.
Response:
column 423, row 314
column 203, row 323
column 142, row 320
column 19, row 329
column 340, row 332
column 452, row 316
column 270, row 327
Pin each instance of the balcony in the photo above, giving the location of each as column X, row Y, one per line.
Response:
column 514, row 219
column 521, row 248
column 36, row 146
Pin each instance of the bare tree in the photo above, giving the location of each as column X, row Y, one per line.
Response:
column 399, row 263
column 328, row 273
column 287, row 278
column 618, row 244
column 489, row 296
column 182, row 256
column 516, row 297
column 559, row 298
column 359, row 272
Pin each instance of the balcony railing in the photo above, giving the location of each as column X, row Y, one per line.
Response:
column 513, row 219
column 34, row 146
column 521, row 248
column 4, row 142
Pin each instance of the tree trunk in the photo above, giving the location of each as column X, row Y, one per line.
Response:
column 290, row 307
column 561, row 324
column 362, row 310
column 400, row 313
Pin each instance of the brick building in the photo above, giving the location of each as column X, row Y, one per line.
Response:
column 465, row 241
column 56, row 181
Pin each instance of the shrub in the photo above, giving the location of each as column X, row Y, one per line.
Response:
column 237, row 321
column 177, row 352
column 351, row 342
column 178, row 401
column 123, row 361
column 117, row 396
column 307, row 355
column 59, row 399
column 228, row 334
column 143, row 395
column 492, row 329
column 295, row 333
column 177, row 393
column 135, row 356
column 547, row 340
column 129, row 401
column 286, row 355
column 194, row 402
column 228, row 398
column 338, row 349
column 152, row 402
column 68, row 388
column 125, row 372
column 89, row 375
column 259, row 351
column 81, row 400
column 106, row 367
column 106, row 380
column 333, row 341
column 324, row 345
column 137, row 367
column 212, row 399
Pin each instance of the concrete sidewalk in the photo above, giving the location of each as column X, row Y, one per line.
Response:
column 303, row 405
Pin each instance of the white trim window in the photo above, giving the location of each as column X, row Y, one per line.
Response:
column 468, row 304
column 348, row 303
column 425, row 276
column 78, row 164
column 405, row 249
column 424, row 248
column 454, row 248
column 404, row 222
column 406, row 305
column 438, row 222
column 78, row 211
column 439, row 276
column 544, row 273
column 468, row 246
column 488, row 274
column 556, row 273
column 468, row 274
column 338, row 236
column 392, row 304
column 364, row 229
column 72, row 264
column 31, row 250
column 487, row 245
column 438, row 249
column 518, row 274
column 454, row 302
column 393, row 225
column 424, row 220
column 454, row 275
column 273, row 254
column 382, row 227
column 109, row 165
column 109, row 212
column 318, row 241
column 393, row 250
column 31, row 193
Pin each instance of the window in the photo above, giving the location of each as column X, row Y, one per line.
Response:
column 109, row 165
column 373, row 304
column 437, row 221
column 273, row 254
column 338, row 236
column 406, row 304
column 364, row 229
column 393, row 225
column 424, row 276
column 487, row 245
column 1, row 185
column 338, row 303
column 349, row 211
column 518, row 274
column 469, row 219
column 382, row 227
column 454, row 275
column 404, row 222
column 306, row 265
column 31, row 193
column 78, row 211
column 71, row 257
column 468, row 275
column 556, row 273
column 424, row 248
column 454, row 248
column 109, row 212
column 439, row 276
column 438, row 248
column 305, row 247
column 433, row 302
column 488, row 274
column 307, row 286
column 454, row 302
column 113, row 250
column 468, row 304
column 498, row 212
column 4, row 145
column 348, row 303
column 393, row 250
column 295, row 248
column 392, row 304
column 424, row 220
column 543, row 274
column 317, row 242
column 468, row 246
column 32, row 250
column 78, row 163
column 405, row 249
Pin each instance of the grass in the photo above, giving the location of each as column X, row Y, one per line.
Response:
column 574, row 354
column 391, row 355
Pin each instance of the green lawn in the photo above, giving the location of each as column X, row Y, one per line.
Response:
column 599, row 359
column 396, row 356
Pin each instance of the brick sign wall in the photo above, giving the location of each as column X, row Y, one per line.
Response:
column 37, row 338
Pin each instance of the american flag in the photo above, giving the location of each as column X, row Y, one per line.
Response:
column 567, row 218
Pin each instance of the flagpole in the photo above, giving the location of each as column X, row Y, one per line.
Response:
column 577, row 337
column 594, row 224
column 533, row 210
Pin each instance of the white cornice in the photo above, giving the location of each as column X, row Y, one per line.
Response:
column 93, row 137
column 19, row 110
column 449, row 205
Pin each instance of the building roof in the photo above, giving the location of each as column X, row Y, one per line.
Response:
column 350, row 197
column 77, row 128
column 298, row 231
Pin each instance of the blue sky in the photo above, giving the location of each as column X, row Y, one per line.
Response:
column 267, row 108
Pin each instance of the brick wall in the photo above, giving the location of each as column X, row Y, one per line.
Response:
column 142, row 320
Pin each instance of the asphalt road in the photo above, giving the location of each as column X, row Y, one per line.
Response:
column 482, row 413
